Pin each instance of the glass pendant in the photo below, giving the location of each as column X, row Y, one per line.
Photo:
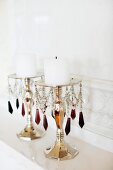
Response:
column 73, row 113
column 45, row 123
column 64, row 114
column 27, row 99
column 17, row 103
column 10, row 109
column 37, row 117
column 52, row 114
column 57, row 119
column 23, row 110
column 81, row 119
column 68, row 126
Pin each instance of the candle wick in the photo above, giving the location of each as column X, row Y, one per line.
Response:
column 56, row 57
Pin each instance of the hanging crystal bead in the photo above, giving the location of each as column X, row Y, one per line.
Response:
column 45, row 123
column 17, row 103
column 68, row 126
column 23, row 110
column 57, row 119
column 37, row 117
column 73, row 113
column 52, row 114
column 10, row 109
column 81, row 119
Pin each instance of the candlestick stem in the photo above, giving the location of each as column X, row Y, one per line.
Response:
column 60, row 150
column 29, row 132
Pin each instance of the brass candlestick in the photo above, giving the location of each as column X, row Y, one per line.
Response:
column 63, row 101
column 60, row 150
column 29, row 132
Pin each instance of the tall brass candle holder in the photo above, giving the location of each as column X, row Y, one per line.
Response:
column 23, row 88
column 63, row 101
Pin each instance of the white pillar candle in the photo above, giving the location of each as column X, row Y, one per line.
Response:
column 56, row 72
column 26, row 65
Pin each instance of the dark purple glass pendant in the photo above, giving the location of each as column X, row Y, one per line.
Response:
column 10, row 109
column 81, row 119
column 17, row 103
column 23, row 110
column 45, row 123
column 37, row 117
column 68, row 126
column 73, row 113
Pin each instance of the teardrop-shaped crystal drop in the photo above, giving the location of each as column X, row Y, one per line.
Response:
column 27, row 99
column 52, row 114
column 37, row 117
column 57, row 119
column 81, row 119
column 17, row 103
column 23, row 110
column 68, row 126
column 45, row 123
column 73, row 113
column 10, row 109
column 64, row 114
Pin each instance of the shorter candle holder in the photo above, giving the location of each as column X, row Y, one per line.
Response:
column 22, row 87
column 60, row 101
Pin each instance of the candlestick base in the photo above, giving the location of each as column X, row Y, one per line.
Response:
column 29, row 133
column 61, row 151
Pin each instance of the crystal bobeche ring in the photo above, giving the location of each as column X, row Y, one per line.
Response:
column 63, row 102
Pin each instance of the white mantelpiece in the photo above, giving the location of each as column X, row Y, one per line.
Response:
column 93, row 141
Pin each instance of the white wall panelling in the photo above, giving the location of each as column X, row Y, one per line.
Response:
column 98, row 108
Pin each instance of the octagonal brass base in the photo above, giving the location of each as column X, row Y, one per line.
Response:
column 61, row 151
column 29, row 133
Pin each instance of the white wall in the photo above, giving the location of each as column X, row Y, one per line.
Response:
column 79, row 30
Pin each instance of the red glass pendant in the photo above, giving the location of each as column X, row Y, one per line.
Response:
column 45, row 123
column 23, row 110
column 27, row 99
column 68, row 126
column 37, row 117
column 73, row 113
